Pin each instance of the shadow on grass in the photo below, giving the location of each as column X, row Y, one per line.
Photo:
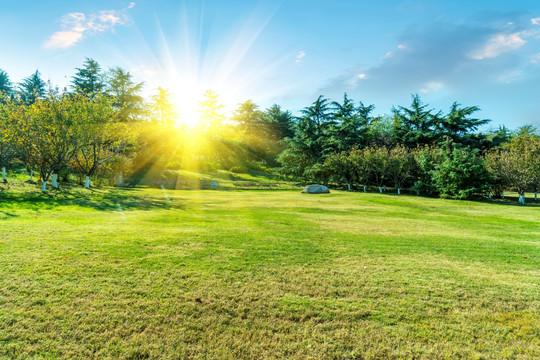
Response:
column 100, row 199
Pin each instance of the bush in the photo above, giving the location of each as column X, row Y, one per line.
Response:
column 462, row 174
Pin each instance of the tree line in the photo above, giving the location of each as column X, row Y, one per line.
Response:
column 102, row 128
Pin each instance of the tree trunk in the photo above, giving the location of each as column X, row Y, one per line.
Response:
column 120, row 180
column 522, row 199
column 502, row 195
column 31, row 175
column 398, row 191
column 349, row 186
column 4, row 179
column 87, row 182
column 44, row 188
column 535, row 195
column 55, row 181
column 365, row 188
column 380, row 190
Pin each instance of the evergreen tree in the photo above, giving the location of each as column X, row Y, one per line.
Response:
column 89, row 79
column 416, row 125
column 32, row 88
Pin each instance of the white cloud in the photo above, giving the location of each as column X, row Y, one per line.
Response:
column 300, row 56
column 402, row 47
column 510, row 76
column 535, row 21
column 362, row 76
column 131, row 5
column 535, row 59
column 431, row 87
column 63, row 39
column 497, row 45
column 76, row 25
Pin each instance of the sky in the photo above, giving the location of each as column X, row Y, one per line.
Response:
column 484, row 52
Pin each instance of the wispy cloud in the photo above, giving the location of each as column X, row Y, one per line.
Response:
column 300, row 56
column 75, row 26
column 497, row 45
column 535, row 21
column 448, row 56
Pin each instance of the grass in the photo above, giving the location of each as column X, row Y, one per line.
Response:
column 140, row 274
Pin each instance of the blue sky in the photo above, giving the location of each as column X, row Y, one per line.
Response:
column 484, row 53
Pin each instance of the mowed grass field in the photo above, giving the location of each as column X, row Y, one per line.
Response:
column 140, row 274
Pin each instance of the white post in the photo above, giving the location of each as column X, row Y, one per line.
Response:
column 349, row 185
column 120, row 180
column 87, row 182
column 4, row 174
column 380, row 189
column 55, row 181
column 365, row 188
column 399, row 191
column 44, row 188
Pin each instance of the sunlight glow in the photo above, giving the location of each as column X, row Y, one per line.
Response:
column 192, row 62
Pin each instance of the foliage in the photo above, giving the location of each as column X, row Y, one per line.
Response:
column 32, row 88
column 517, row 165
column 462, row 174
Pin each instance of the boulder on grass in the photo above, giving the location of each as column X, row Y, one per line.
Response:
column 316, row 189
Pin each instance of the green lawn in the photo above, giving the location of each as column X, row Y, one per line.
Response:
column 138, row 274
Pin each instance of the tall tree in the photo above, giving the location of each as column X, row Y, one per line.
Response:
column 89, row 79
column 416, row 125
column 163, row 110
column 32, row 88
column 459, row 126
column 49, row 132
column 279, row 123
column 350, row 128
column 6, row 87
column 126, row 94
column 211, row 112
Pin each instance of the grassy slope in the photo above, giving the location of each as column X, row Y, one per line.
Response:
column 266, row 274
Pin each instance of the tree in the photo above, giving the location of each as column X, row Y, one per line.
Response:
column 100, row 135
column 351, row 122
column 6, row 87
column 462, row 174
column 8, row 140
column 163, row 110
column 426, row 158
column 48, row 130
column 377, row 162
column 343, row 167
column 459, row 126
column 32, row 88
column 416, row 126
column 517, row 164
column 126, row 94
column 400, row 166
column 89, row 79
column 278, row 123
column 210, row 112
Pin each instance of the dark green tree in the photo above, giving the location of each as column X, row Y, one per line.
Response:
column 89, row 79
column 32, row 88
column 460, row 127
column 417, row 125
column 462, row 174
column 6, row 87
column 126, row 94
column 350, row 128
